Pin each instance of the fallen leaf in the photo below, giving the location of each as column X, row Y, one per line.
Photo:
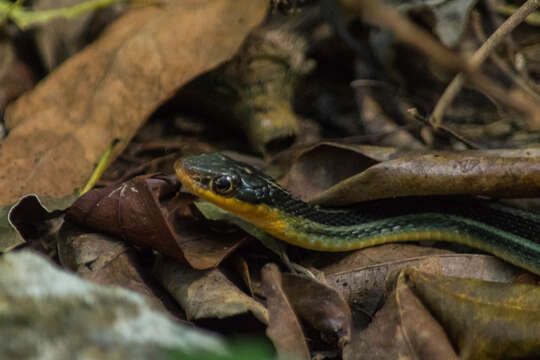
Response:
column 108, row 261
column 498, row 173
column 361, row 277
column 59, row 130
column 147, row 211
column 321, row 306
column 206, row 294
column 485, row 320
column 312, row 169
column 283, row 328
column 28, row 211
column 402, row 329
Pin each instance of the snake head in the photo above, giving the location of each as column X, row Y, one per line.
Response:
column 216, row 176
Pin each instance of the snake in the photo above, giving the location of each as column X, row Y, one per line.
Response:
column 508, row 233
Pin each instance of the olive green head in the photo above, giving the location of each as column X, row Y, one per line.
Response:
column 225, row 177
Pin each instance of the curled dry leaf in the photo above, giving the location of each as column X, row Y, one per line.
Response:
column 402, row 329
column 284, row 329
column 206, row 294
column 485, row 320
column 498, row 173
column 147, row 211
column 18, row 220
column 362, row 277
column 320, row 305
column 59, row 130
column 313, row 169
column 108, row 261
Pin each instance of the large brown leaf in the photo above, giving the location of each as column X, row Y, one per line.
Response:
column 485, row 320
column 362, row 275
column 207, row 294
column 59, row 130
column 499, row 173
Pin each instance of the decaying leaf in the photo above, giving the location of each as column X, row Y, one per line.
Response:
column 320, row 305
column 106, row 91
column 206, row 294
column 499, row 173
column 361, row 276
column 284, row 328
column 147, row 211
column 402, row 329
column 485, row 320
column 108, row 261
column 313, row 169
column 26, row 212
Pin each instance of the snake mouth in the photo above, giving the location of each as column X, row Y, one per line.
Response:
column 186, row 177
column 191, row 179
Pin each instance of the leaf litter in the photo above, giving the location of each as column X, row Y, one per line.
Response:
column 138, row 230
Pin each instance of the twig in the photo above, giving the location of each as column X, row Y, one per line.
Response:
column 498, row 61
column 378, row 14
column 408, row 32
column 478, row 58
column 415, row 115
column 532, row 19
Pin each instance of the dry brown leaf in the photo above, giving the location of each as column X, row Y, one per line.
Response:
column 321, row 306
column 485, row 320
column 402, row 329
column 284, row 328
column 107, row 261
column 310, row 170
column 499, row 173
column 361, row 277
column 148, row 211
column 59, row 130
column 206, row 294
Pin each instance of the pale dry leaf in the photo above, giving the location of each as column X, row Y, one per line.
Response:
column 59, row 130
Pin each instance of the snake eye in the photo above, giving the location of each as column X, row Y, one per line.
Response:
column 223, row 184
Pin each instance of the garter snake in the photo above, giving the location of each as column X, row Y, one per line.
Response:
column 508, row 233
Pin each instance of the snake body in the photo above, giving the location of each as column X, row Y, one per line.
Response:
column 508, row 233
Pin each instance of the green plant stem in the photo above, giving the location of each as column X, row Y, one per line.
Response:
column 25, row 18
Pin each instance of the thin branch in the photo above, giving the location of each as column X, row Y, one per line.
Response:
column 500, row 63
column 479, row 57
column 375, row 12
